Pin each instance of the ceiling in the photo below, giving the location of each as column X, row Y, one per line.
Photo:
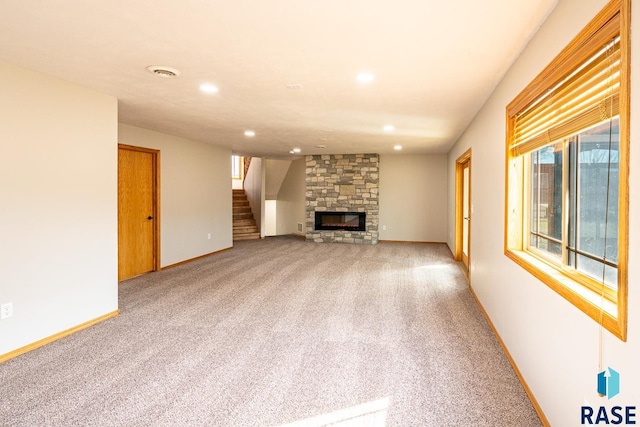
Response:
column 285, row 69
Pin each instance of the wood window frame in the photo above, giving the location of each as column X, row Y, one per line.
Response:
column 610, row 313
column 240, row 164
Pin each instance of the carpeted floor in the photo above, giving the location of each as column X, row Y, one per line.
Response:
column 279, row 331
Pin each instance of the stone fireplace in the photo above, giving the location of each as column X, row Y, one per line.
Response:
column 342, row 198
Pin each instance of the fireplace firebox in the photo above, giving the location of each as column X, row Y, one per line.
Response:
column 350, row 221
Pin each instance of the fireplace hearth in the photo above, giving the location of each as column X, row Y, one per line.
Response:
column 351, row 221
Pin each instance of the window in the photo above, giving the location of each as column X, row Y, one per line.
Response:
column 567, row 149
column 592, row 246
column 236, row 167
column 589, row 236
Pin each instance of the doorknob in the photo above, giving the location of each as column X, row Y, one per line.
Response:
column 466, row 218
column 149, row 217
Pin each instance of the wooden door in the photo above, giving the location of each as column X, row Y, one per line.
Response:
column 466, row 212
column 463, row 209
column 137, row 211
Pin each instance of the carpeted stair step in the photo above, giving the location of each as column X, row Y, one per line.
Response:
column 244, row 215
column 241, row 209
column 246, row 227
column 247, row 236
column 245, row 232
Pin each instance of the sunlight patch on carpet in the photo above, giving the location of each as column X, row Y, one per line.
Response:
column 370, row 414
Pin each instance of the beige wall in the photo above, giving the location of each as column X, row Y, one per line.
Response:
column 58, row 214
column 554, row 344
column 195, row 199
column 290, row 209
column 274, row 173
column 413, row 197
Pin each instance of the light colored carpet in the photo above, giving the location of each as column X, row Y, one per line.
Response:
column 279, row 331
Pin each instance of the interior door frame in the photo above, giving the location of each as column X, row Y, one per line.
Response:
column 155, row 158
column 459, row 215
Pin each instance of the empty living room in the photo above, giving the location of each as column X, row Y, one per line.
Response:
column 285, row 213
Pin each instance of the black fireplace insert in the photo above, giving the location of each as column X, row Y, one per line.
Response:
column 350, row 221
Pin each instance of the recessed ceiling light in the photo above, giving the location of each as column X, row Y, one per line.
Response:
column 249, row 133
column 397, row 147
column 365, row 77
column 208, row 88
column 321, row 146
column 162, row 71
column 296, row 150
column 389, row 128
column 292, row 152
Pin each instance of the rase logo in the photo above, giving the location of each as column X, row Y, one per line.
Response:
column 608, row 383
column 609, row 386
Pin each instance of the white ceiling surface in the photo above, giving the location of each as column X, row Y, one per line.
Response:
column 435, row 63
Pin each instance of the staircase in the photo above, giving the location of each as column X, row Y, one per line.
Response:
column 244, row 225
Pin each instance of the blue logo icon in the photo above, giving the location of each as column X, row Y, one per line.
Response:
column 608, row 383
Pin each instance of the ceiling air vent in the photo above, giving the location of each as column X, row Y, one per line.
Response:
column 162, row 71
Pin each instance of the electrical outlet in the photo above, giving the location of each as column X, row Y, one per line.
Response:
column 6, row 310
column 384, row 228
column 209, row 236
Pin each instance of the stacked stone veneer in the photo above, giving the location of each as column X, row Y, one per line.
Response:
column 343, row 183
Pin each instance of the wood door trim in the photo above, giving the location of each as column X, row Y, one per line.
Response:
column 460, row 162
column 155, row 155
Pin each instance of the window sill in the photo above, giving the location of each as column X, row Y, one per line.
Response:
column 591, row 303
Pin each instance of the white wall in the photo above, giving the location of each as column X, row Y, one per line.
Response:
column 291, row 200
column 195, row 199
column 270, row 212
column 554, row 344
column 58, row 209
column 413, row 197
column 254, row 186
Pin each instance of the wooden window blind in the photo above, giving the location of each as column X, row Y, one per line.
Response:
column 587, row 94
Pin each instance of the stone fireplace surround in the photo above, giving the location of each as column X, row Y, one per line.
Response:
column 342, row 183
